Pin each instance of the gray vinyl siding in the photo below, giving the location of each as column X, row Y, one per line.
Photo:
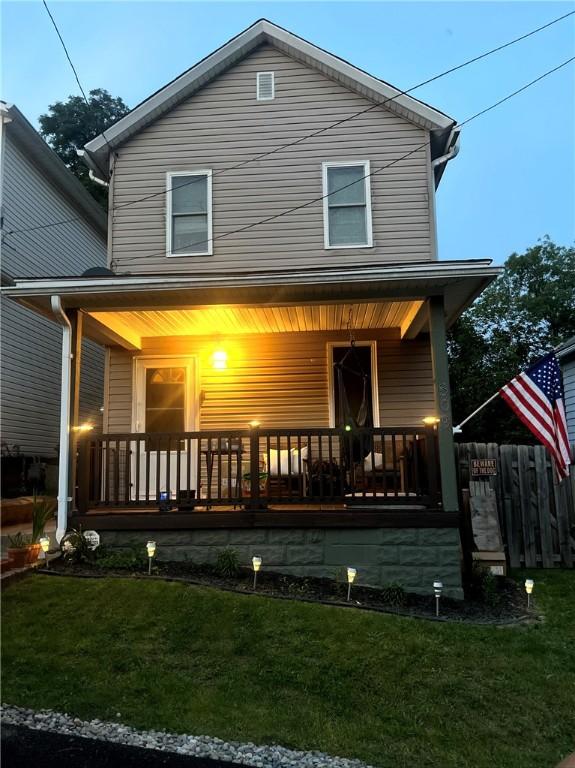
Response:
column 568, row 368
column 280, row 380
column 223, row 125
column 31, row 345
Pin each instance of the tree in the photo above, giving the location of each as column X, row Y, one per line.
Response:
column 524, row 314
column 70, row 125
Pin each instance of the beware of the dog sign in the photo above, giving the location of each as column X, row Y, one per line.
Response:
column 483, row 467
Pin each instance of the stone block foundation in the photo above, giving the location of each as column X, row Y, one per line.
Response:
column 412, row 557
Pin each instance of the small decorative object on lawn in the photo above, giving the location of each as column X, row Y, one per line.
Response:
column 529, row 583
column 437, row 588
column 351, row 574
column 45, row 544
column 151, row 547
column 257, row 564
column 92, row 539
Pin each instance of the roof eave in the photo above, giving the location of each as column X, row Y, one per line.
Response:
column 234, row 50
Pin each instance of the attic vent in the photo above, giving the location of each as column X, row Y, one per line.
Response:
column 265, row 86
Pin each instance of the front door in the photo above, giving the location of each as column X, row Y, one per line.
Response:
column 165, row 405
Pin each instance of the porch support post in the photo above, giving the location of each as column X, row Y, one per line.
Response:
column 76, row 322
column 443, row 403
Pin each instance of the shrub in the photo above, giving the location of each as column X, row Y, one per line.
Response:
column 484, row 586
column 394, row 594
column 228, row 563
column 134, row 558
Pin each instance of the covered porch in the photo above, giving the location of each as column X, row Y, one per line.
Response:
column 222, row 406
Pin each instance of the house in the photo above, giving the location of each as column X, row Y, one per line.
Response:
column 275, row 318
column 566, row 354
column 37, row 188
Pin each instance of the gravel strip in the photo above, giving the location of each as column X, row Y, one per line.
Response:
column 266, row 756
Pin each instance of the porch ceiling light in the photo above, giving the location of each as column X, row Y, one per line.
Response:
column 255, row 423
column 86, row 427
column 220, row 360
column 431, row 421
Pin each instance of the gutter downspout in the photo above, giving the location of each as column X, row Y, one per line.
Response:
column 96, row 179
column 64, row 457
column 452, row 149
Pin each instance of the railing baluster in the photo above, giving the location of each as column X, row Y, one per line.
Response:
column 395, row 466
column 407, row 464
column 127, row 472
column 290, row 478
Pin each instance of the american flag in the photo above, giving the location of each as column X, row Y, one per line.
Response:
column 536, row 396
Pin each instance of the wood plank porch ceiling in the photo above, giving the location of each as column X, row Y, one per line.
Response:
column 269, row 319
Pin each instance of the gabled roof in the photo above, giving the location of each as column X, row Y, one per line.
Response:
column 262, row 32
column 37, row 150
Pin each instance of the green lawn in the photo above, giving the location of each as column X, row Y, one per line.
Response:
column 393, row 691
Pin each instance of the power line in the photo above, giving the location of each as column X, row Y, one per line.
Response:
column 367, row 175
column 72, row 65
column 308, row 136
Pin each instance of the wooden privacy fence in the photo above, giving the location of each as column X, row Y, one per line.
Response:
column 536, row 515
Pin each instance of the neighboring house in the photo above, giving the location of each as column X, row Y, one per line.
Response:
column 267, row 383
column 566, row 354
column 38, row 189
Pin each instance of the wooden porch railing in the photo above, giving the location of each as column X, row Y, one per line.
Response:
column 256, row 468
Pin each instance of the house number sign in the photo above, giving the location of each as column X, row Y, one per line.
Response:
column 483, row 467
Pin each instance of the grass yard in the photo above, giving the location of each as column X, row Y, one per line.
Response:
column 392, row 691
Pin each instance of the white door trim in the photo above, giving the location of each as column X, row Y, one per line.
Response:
column 141, row 363
column 374, row 378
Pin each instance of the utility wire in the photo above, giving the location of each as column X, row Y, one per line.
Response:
column 367, row 175
column 73, row 67
column 308, row 136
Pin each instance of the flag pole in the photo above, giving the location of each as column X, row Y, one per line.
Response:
column 457, row 429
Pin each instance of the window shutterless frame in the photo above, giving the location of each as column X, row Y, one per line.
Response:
column 364, row 165
column 207, row 247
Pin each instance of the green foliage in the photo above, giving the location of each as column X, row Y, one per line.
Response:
column 42, row 512
column 70, row 125
column 19, row 540
column 75, row 548
column 394, row 594
column 228, row 563
column 484, row 586
column 524, row 314
column 132, row 559
column 391, row 691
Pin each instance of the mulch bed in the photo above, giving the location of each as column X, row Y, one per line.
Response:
column 505, row 603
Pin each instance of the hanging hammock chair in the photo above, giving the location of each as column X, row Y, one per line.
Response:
column 346, row 417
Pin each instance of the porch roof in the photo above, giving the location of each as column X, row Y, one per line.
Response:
column 112, row 299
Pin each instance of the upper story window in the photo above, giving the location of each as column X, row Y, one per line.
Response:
column 265, row 88
column 347, row 205
column 189, row 213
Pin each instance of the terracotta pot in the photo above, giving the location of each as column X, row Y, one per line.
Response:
column 33, row 551
column 19, row 557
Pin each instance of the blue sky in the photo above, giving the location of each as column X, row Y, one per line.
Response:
column 514, row 179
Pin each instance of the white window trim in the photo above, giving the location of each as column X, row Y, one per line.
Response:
column 368, row 224
column 207, row 172
column 265, row 98
column 374, row 378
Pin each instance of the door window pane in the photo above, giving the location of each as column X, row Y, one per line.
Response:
column 165, row 399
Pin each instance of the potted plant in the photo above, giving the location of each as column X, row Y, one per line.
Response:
column 24, row 549
column 18, row 549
